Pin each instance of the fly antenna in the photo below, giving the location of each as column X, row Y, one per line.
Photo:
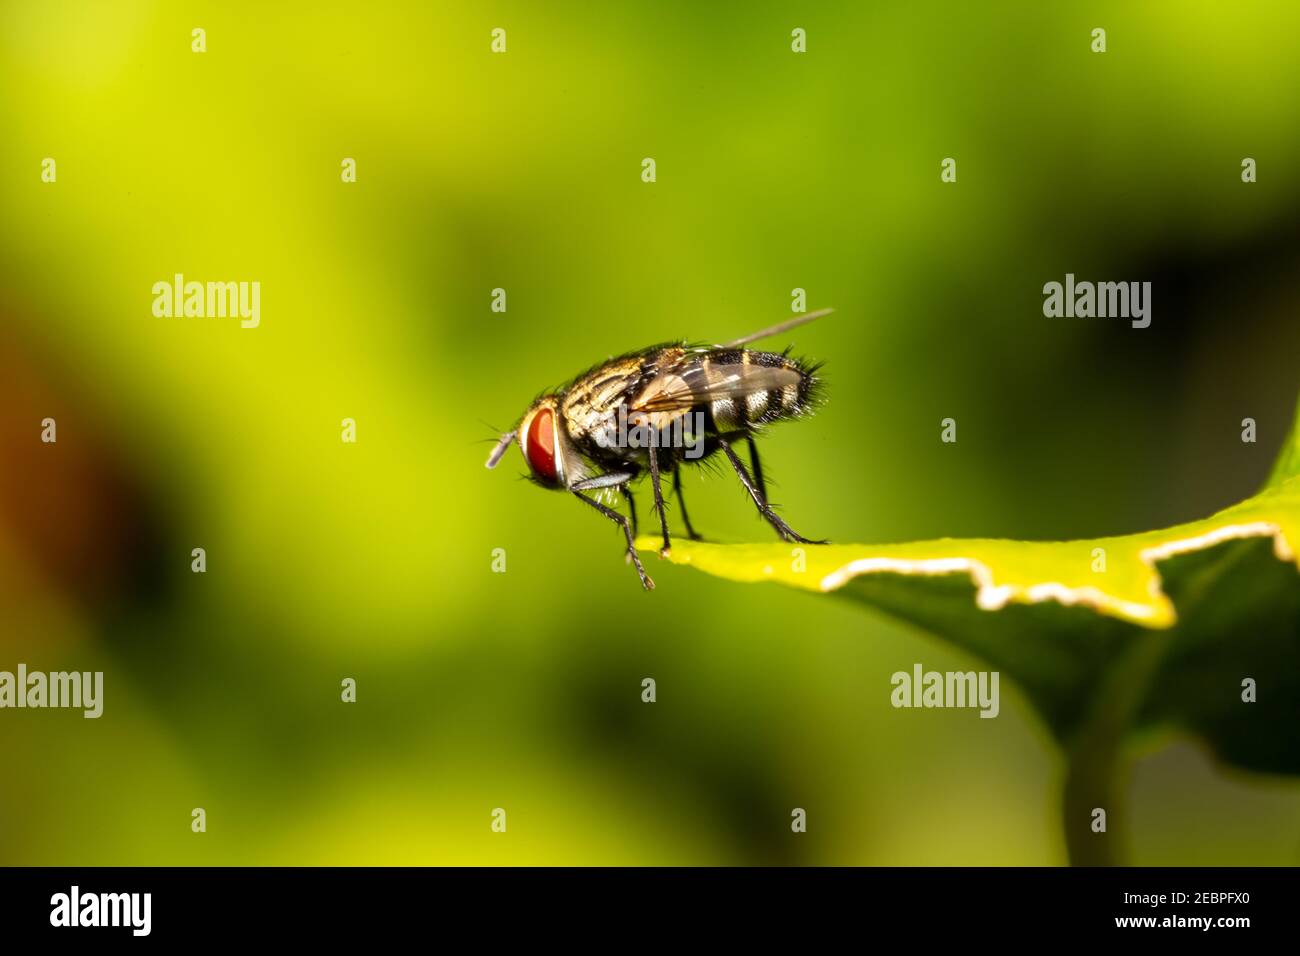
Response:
column 502, row 446
column 785, row 326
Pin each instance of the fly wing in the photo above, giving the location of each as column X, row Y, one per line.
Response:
column 780, row 327
column 701, row 378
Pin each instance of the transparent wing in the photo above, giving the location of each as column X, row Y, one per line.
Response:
column 780, row 327
column 701, row 378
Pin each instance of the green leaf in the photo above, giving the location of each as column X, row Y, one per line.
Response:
column 1288, row 462
column 1107, row 636
column 1116, row 577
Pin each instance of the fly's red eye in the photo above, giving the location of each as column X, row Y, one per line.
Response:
column 540, row 444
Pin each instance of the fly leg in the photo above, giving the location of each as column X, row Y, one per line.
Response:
column 658, row 492
column 758, row 467
column 681, row 503
column 631, row 507
column 765, row 509
column 631, row 510
column 622, row 522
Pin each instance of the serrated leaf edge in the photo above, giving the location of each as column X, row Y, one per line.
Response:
column 991, row 596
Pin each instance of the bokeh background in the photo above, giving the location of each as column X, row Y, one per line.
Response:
column 521, row 690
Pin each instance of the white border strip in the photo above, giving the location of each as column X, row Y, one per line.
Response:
column 991, row 597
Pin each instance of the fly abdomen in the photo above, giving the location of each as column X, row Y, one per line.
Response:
column 761, row 387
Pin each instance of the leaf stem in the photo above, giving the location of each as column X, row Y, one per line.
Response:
column 1096, row 775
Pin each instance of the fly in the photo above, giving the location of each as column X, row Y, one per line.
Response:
column 657, row 411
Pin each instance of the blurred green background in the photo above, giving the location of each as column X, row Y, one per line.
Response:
column 522, row 170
